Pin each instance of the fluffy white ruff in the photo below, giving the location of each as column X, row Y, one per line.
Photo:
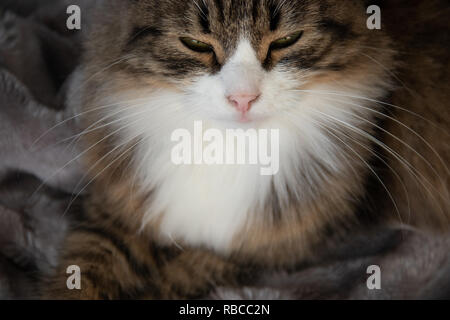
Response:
column 205, row 205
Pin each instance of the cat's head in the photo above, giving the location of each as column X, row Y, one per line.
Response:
column 310, row 68
column 242, row 60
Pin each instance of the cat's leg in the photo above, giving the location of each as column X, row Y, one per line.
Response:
column 115, row 263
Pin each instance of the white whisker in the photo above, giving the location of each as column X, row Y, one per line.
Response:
column 327, row 128
column 332, row 93
column 74, row 117
column 403, row 125
column 392, row 152
column 84, row 152
column 97, row 175
column 93, row 126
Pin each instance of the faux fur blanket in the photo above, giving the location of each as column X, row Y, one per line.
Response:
column 38, row 174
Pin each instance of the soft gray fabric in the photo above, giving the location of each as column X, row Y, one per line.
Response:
column 415, row 266
column 34, row 64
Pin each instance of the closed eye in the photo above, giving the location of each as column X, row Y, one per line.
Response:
column 286, row 41
column 196, row 45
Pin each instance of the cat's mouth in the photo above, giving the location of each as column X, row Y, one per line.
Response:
column 248, row 120
column 244, row 118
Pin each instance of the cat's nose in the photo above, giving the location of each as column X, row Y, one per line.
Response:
column 243, row 102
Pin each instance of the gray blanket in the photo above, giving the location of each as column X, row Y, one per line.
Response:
column 38, row 176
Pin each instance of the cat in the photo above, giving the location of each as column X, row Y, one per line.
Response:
column 362, row 116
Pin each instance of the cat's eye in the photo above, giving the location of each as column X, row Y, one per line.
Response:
column 286, row 41
column 196, row 45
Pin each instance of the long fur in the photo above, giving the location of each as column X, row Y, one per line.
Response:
column 352, row 151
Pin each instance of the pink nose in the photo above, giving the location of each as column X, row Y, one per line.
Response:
column 243, row 102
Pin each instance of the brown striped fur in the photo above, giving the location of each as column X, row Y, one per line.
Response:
column 119, row 260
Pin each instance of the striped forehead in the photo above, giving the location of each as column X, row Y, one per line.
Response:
column 240, row 14
column 231, row 21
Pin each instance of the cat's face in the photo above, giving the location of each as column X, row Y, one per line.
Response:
column 244, row 60
column 309, row 68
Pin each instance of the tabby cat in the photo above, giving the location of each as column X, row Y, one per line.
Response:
column 362, row 116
